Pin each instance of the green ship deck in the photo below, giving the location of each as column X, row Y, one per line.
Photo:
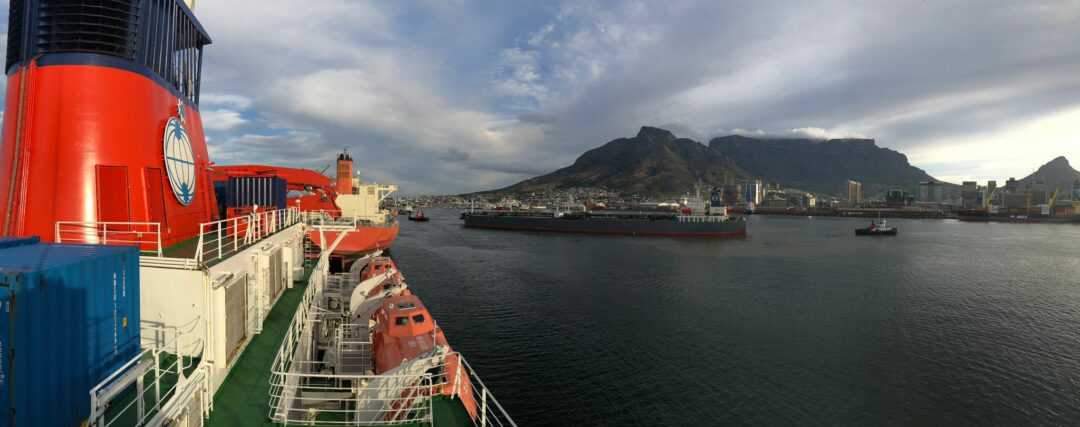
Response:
column 244, row 397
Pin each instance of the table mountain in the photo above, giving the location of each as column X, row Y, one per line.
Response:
column 822, row 166
column 654, row 162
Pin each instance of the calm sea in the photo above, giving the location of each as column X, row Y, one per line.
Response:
column 803, row 323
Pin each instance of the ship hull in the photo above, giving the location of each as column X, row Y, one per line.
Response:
column 611, row 226
column 360, row 241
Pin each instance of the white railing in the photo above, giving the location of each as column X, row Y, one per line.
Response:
column 327, row 399
column 303, row 389
column 702, row 218
column 302, row 393
column 329, row 219
column 158, row 381
column 353, row 352
column 219, row 239
column 145, row 235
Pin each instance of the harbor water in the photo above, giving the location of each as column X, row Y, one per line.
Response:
column 802, row 322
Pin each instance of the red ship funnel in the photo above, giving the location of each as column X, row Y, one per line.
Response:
column 344, row 173
column 101, row 122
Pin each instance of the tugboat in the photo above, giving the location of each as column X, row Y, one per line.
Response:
column 876, row 229
column 419, row 216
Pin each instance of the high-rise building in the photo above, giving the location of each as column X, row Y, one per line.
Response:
column 931, row 192
column 1076, row 191
column 854, row 191
column 753, row 191
column 1012, row 185
column 989, row 198
column 969, row 195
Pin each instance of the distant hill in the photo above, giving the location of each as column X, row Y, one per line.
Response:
column 654, row 162
column 1056, row 174
column 822, row 166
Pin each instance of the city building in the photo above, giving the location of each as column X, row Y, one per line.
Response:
column 931, row 192
column 753, row 191
column 1012, row 185
column 898, row 198
column 730, row 194
column 969, row 195
column 1040, row 192
column 855, row 192
column 774, row 203
column 1076, row 191
column 1017, row 202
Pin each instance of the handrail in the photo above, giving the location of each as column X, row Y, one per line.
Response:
column 300, row 392
column 145, row 235
column 703, row 218
column 336, row 217
column 151, row 372
column 221, row 238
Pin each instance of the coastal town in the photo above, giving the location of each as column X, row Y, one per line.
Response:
column 1015, row 200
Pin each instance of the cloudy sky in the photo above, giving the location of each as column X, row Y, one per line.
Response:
column 454, row 95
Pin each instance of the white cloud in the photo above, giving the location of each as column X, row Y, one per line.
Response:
column 222, row 119
column 238, row 102
column 520, row 75
column 1013, row 152
column 537, row 38
column 386, row 78
column 819, row 133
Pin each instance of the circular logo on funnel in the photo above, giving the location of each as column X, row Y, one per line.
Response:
column 179, row 160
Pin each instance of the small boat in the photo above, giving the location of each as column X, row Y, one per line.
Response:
column 876, row 229
column 418, row 215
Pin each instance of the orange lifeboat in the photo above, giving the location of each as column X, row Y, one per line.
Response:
column 381, row 266
column 405, row 330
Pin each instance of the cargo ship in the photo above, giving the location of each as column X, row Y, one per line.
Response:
column 693, row 220
column 143, row 285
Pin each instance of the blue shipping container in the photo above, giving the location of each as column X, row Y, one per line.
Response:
column 69, row 317
column 269, row 192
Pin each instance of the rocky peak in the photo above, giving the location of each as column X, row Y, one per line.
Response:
column 655, row 134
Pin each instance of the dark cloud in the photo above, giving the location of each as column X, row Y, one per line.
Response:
column 457, row 97
column 454, row 155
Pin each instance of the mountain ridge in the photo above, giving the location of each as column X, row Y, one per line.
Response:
column 1057, row 173
column 654, row 161
column 822, row 166
column 657, row 162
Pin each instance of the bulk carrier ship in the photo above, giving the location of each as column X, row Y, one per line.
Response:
column 144, row 285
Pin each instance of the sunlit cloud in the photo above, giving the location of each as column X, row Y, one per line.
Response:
column 461, row 96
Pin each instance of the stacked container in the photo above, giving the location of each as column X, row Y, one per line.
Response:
column 266, row 192
column 69, row 317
